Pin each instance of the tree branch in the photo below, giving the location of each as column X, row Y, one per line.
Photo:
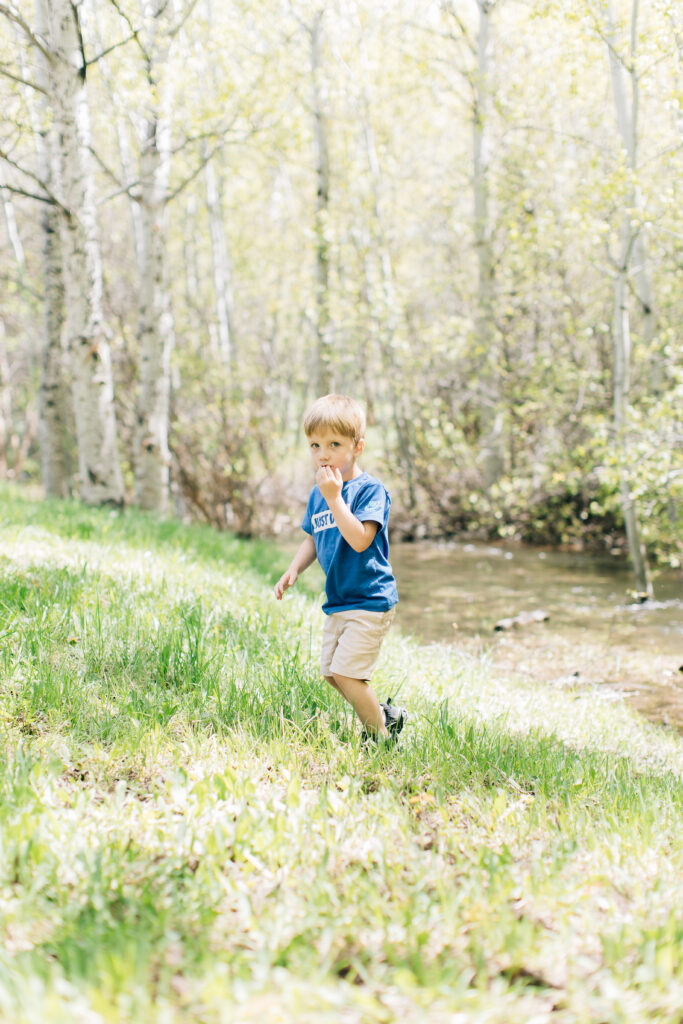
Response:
column 607, row 36
column 449, row 8
column 114, row 46
column 18, row 283
column 81, row 44
column 161, row 10
column 49, row 199
column 555, row 132
column 22, row 81
column 678, row 38
column 107, row 170
column 13, row 15
column 46, row 197
column 134, row 32
column 217, row 133
column 175, row 29
column 122, row 190
column 125, row 190
column 198, row 169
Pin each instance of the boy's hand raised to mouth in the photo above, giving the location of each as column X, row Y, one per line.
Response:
column 330, row 482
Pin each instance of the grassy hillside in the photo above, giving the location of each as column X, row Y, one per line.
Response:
column 190, row 830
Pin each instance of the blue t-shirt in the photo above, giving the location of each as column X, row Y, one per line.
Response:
column 354, row 579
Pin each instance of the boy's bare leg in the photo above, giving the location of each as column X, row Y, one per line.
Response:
column 364, row 701
column 333, row 683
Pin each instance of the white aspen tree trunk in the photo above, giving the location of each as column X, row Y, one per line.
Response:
column 6, row 196
column 152, row 457
column 627, row 120
column 622, row 358
column 190, row 261
column 625, row 78
column 93, row 390
column 9, row 441
column 53, row 396
column 222, row 272
column 324, row 327
column 11, row 225
column 221, row 265
column 383, row 301
column 14, row 444
column 53, row 391
column 644, row 289
column 129, row 176
column 492, row 457
column 156, row 337
column 122, row 123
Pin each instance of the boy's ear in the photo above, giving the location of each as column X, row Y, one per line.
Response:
column 360, row 445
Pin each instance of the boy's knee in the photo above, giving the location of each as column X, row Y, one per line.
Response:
column 340, row 683
column 348, row 685
column 340, row 677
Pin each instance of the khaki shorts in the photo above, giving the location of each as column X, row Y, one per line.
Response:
column 351, row 642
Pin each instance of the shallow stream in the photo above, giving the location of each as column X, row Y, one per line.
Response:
column 594, row 635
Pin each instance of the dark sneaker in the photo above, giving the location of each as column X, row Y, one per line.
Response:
column 394, row 718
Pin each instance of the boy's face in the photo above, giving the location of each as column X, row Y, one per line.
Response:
column 335, row 451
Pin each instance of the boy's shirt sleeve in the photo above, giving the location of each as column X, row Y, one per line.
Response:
column 372, row 503
column 306, row 524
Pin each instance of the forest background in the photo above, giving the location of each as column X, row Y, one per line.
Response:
column 466, row 213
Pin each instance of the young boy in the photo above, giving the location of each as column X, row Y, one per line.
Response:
column 346, row 530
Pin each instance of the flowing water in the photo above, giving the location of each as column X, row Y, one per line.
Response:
column 594, row 635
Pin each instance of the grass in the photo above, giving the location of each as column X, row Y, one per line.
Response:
column 190, row 830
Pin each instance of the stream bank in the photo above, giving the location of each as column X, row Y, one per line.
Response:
column 594, row 635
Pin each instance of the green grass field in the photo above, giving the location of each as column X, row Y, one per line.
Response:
column 190, row 830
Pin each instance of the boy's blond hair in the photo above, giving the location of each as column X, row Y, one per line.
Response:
column 338, row 413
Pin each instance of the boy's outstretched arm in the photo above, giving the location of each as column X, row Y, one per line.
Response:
column 304, row 557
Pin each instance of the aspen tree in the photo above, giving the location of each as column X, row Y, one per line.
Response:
column 491, row 457
column 383, row 300
column 214, row 179
column 100, row 474
column 624, row 75
column 53, row 427
column 151, row 455
column 491, row 416
column 324, row 326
